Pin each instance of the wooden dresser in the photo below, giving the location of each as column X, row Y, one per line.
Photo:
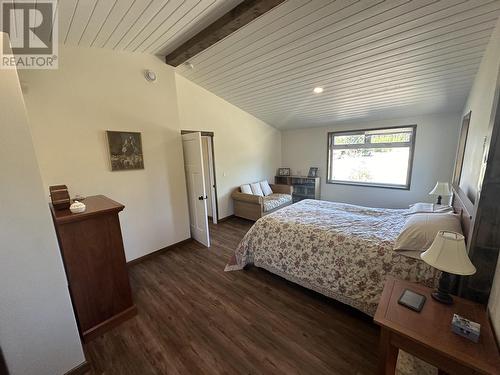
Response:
column 92, row 250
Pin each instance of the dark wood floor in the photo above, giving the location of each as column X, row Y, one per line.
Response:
column 194, row 318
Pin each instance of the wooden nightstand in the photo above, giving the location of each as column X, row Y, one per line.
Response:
column 428, row 336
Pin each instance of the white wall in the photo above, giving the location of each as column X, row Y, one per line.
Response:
column 246, row 148
column 480, row 102
column 96, row 90
column 38, row 333
column 435, row 148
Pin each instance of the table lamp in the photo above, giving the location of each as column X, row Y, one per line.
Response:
column 449, row 255
column 441, row 188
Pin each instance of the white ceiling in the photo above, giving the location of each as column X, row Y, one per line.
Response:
column 374, row 58
column 151, row 26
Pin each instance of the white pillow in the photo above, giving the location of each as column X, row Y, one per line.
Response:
column 420, row 230
column 420, row 207
column 266, row 189
column 245, row 189
column 256, row 190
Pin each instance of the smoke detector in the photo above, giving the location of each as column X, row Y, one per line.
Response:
column 150, row 76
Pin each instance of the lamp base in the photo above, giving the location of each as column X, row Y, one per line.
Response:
column 442, row 297
column 442, row 294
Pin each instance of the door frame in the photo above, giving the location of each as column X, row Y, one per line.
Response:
column 211, row 137
column 196, row 187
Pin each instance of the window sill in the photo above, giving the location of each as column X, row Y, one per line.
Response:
column 367, row 184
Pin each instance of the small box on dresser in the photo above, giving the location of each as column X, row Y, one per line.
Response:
column 466, row 328
column 92, row 250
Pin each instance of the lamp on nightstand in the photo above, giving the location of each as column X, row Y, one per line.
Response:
column 449, row 255
column 441, row 188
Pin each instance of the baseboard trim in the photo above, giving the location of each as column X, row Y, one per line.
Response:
column 157, row 252
column 81, row 369
column 226, row 218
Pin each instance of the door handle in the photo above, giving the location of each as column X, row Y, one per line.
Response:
column 202, row 198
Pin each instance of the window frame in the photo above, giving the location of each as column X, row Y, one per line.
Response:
column 407, row 186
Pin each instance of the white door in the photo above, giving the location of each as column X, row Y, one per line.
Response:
column 193, row 163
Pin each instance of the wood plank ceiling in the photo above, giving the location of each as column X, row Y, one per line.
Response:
column 374, row 59
column 149, row 26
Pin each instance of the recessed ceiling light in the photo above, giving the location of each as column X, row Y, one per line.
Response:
column 318, row 90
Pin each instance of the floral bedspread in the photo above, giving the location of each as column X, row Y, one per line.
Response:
column 342, row 251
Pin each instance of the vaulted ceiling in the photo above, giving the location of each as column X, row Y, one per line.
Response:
column 150, row 26
column 373, row 58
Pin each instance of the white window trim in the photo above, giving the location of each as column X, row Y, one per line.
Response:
column 331, row 147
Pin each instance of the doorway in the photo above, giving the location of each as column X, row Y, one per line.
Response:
column 199, row 164
column 209, row 175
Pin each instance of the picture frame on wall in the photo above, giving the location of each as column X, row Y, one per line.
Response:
column 125, row 150
column 284, row 172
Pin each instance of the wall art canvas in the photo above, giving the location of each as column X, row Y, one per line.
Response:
column 125, row 150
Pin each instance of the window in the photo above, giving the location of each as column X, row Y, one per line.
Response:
column 375, row 157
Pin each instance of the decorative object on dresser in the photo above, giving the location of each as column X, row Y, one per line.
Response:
column 441, row 189
column 284, row 172
column 313, row 172
column 429, row 336
column 77, row 207
column 466, row 328
column 449, row 255
column 92, row 251
column 303, row 187
column 60, row 197
column 125, row 150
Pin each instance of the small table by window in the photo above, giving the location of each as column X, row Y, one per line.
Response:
column 428, row 336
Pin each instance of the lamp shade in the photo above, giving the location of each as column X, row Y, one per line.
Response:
column 448, row 253
column 441, row 188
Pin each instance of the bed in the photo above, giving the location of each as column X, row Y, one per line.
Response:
column 340, row 250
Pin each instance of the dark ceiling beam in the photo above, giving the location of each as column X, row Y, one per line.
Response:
column 244, row 13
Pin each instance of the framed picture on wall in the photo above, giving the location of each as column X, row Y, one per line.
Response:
column 125, row 150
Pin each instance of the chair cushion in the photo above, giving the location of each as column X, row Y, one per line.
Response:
column 245, row 189
column 256, row 190
column 276, row 200
column 266, row 189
